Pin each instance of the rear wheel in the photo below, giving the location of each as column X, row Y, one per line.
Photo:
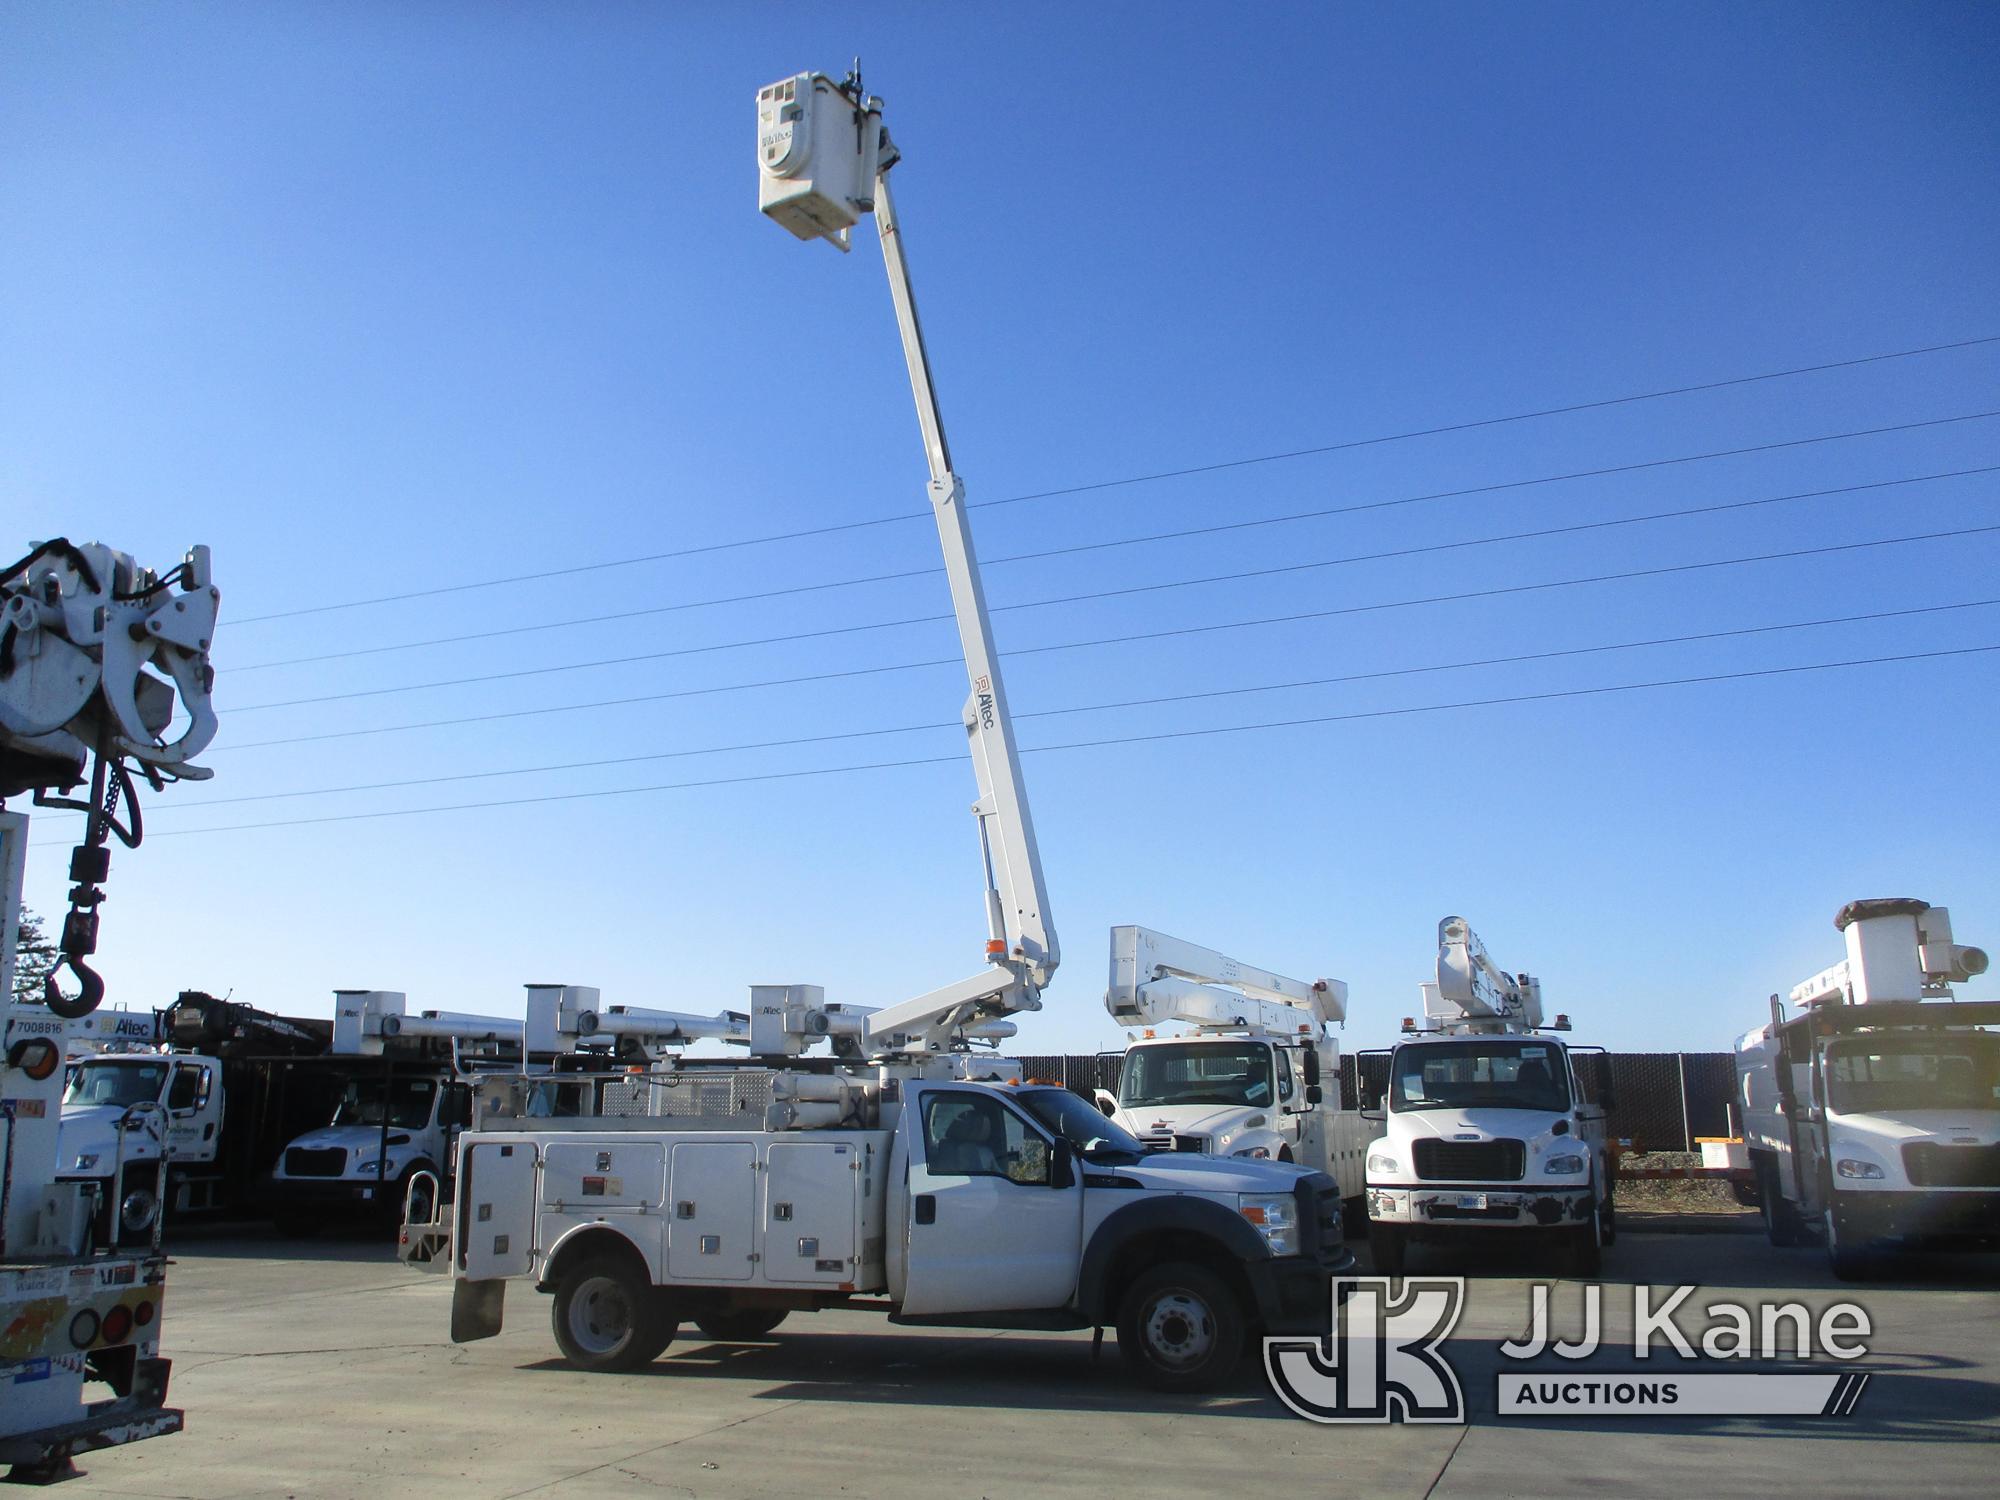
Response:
column 1180, row 1328
column 1389, row 1247
column 608, row 1317
column 739, row 1325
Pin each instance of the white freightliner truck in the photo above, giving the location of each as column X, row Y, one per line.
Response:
column 1488, row 1122
column 96, row 655
column 395, row 1120
column 1872, row 1116
column 901, row 1172
column 1245, row 1076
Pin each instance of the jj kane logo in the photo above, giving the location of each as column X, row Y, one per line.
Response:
column 1385, row 1360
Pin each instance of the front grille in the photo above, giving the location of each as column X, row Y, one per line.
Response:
column 1932, row 1165
column 1329, row 1209
column 1190, row 1143
column 326, row 1161
column 1159, row 1138
column 1470, row 1161
column 1507, row 1212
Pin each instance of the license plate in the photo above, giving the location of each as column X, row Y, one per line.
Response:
column 1472, row 1200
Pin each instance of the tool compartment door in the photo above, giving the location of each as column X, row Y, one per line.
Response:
column 496, row 1210
column 811, row 1212
column 712, row 1211
column 594, row 1177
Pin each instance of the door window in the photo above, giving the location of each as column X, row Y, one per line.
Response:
column 966, row 1135
column 1284, row 1074
column 190, row 1089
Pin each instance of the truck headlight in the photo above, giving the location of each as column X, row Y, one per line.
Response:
column 1847, row 1166
column 1276, row 1216
column 1260, row 1152
column 86, row 1160
column 1563, row 1166
column 1384, row 1165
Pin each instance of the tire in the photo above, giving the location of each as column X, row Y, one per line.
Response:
column 1584, row 1248
column 608, row 1317
column 1181, row 1328
column 1389, row 1248
column 1782, row 1225
column 294, row 1224
column 1849, row 1262
column 1746, row 1193
column 740, row 1325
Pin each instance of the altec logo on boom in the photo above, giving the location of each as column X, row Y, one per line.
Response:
column 1385, row 1361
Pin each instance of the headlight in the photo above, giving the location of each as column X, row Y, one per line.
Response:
column 1563, row 1166
column 1261, row 1152
column 1276, row 1216
column 370, row 1168
column 1385, row 1165
column 86, row 1160
column 1847, row 1166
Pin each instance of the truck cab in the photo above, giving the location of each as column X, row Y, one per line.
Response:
column 123, row 1115
column 386, row 1128
column 1487, row 1132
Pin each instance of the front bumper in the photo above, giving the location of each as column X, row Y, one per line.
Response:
column 332, row 1192
column 1930, row 1216
column 1294, row 1293
column 1511, row 1205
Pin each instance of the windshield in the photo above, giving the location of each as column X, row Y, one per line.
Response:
column 1489, row 1073
column 1929, row 1072
column 1196, row 1073
column 408, row 1102
column 1083, row 1125
column 122, row 1084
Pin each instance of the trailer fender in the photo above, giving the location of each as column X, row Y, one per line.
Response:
column 1176, row 1227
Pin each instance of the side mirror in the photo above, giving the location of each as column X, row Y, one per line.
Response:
column 1107, row 1102
column 1314, row 1093
column 1062, row 1164
column 1309, row 1062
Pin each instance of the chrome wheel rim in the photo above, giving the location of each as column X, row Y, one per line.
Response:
column 1180, row 1329
column 600, row 1315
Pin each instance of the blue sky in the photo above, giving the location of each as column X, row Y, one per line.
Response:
column 376, row 299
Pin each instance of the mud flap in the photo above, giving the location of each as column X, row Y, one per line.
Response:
column 476, row 1309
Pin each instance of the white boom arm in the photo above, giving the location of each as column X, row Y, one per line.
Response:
column 1474, row 994
column 365, row 1021
column 1159, row 980
column 824, row 159
column 563, row 1017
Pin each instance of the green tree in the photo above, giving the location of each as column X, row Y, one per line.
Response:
column 34, row 956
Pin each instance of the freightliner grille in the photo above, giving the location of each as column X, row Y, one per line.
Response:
column 1470, row 1161
column 326, row 1161
column 1932, row 1165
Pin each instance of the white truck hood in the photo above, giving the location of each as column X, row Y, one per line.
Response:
column 89, row 1130
column 1965, row 1127
column 1483, row 1124
column 1188, row 1172
column 348, row 1138
column 1193, row 1119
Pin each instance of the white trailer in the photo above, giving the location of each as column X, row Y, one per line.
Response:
column 1872, row 1115
column 1246, row 1069
column 99, row 658
column 902, row 1171
column 1487, row 1121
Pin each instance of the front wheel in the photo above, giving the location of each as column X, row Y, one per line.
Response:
column 1181, row 1328
column 609, row 1317
column 1849, row 1261
column 1782, row 1225
column 739, row 1325
column 1586, row 1244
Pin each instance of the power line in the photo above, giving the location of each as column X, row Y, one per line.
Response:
column 1240, row 576
column 1134, row 479
column 1043, row 554
column 1117, row 740
column 1153, row 702
column 1113, row 640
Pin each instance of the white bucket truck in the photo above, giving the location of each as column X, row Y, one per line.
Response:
column 1487, row 1124
column 1244, row 1076
column 1872, row 1115
column 902, row 1173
